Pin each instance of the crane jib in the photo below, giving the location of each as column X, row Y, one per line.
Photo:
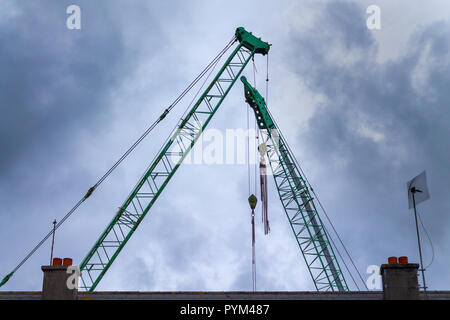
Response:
column 181, row 141
column 297, row 201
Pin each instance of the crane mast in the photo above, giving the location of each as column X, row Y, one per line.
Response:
column 181, row 141
column 297, row 201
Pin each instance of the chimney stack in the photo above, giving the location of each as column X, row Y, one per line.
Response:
column 55, row 285
column 400, row 279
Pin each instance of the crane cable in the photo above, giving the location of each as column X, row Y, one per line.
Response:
column 337, row 235
column 326, row 215
column 262, row 148
column 252, row 199
column 266, row 100
column 125, row 155
column 256, row 134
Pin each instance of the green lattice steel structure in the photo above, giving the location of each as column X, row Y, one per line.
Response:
column 181, row 141
column 154, row 180
column 297, row 201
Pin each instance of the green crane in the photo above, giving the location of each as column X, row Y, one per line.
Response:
column 296, row 199
column 181, row 141
column 293, row 191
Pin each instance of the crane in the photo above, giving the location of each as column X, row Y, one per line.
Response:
column 294, row 194
column 296, row 199
column 161, row 170
column 293, row 191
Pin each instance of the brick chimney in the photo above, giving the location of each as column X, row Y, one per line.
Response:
column 55, row 286
column 400, row 279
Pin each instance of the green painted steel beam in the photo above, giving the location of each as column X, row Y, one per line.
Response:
column 126, row 220
column 249, row 41
column 297, row 201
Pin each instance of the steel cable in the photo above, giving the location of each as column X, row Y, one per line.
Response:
column 326, row 215
column 123, row 157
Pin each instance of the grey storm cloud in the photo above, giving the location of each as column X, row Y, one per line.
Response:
column 54, row 83
column 381, row 125
column 73, row 100
column 52, row 80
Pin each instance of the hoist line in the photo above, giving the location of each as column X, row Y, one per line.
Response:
column 255, row 166
column 267, row 81
column 256, row 137
column 249, row 179
column 248, row 150
column 266, row 100
column 255, row 183
column 212, row 64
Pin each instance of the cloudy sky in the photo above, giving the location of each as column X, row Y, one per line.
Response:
column 364, row 111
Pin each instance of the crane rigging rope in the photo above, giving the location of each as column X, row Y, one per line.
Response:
column 210, row 66
column 326, row 215
column 263, row 184
column 260, row 149
column 301, row 170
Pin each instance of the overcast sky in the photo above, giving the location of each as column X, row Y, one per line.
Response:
column 364, row 111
